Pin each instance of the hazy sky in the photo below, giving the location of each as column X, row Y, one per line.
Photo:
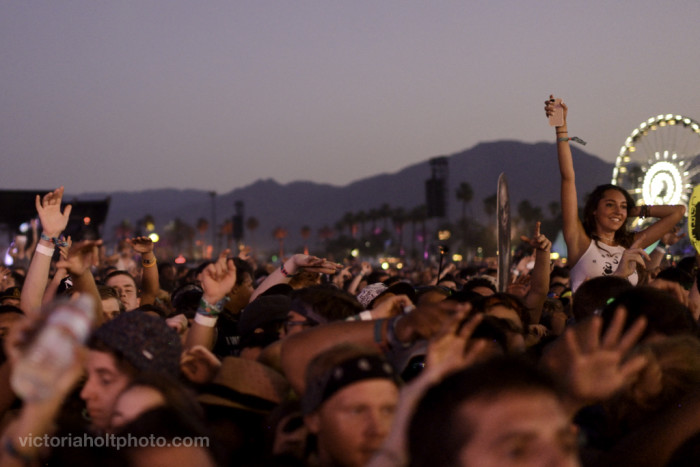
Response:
column 129, row 95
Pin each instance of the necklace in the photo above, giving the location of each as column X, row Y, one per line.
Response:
column 606, row 239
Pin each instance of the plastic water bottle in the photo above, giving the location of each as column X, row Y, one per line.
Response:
column 53, row 350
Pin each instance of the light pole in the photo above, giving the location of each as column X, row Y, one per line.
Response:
column 214, row 247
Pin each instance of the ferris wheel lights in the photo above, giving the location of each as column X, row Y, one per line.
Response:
column 623, row 170
column 632, row 149
column 686, row 121
column 669, row 116
column 635, row 132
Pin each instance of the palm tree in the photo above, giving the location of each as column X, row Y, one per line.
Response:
column 490, row 205
column 373, row 216
column 385, row 213
column 419, row 214
column 398, row 217
column 280, row 233
column 252, row 224
column 349, row 220
column 464, row 194
column 325, row 233
column 305, row 234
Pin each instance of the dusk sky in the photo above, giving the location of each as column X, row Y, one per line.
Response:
column 214, row 95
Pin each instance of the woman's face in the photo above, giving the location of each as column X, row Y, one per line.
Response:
column 611, row 212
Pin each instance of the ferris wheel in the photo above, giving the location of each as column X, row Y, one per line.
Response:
column 660, row 160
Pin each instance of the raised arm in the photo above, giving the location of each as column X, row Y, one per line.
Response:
column 217, row 280
column 668, row 215
column 296, row 263
column 53, row 223
column 539, row 277
column 574, row 235
column 78, row 262
column 149, row 282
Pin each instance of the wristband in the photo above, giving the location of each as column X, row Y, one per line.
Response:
column 44, row 250
column 148, row 263
column 365, row 315
column 380, row 333
column 285, row 273
column 207, row 309
column 204, row 320
column 55, row 240
column 392, row 340
column 575, row 139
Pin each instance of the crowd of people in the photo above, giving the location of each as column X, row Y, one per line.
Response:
column 316, row 363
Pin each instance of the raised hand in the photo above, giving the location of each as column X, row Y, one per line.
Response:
column 633, row 256
column 549, row 107
column 538, row 240
column 366, row 268
column 53, row 221
column 218, row 278
column 80, row 257
column 448, row 350
column 593, row 367
column 426, row 321
column 199, row 365
column 141, row 245
column 311, row 264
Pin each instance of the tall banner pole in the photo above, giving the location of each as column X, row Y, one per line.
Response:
column 503, row 233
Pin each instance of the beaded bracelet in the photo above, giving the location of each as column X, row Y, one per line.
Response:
column 285, row 273
column 644, row 211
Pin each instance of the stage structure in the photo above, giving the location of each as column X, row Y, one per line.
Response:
column 85, row 222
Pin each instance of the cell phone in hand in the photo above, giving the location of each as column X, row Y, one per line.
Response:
column 557, row 117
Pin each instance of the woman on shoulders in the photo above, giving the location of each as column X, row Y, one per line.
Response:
column 601, row 243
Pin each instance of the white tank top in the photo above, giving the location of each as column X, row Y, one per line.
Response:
column 598, row 261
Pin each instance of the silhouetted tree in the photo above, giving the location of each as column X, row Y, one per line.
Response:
column 464, row 195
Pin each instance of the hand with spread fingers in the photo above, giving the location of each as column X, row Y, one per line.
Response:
column 592, row 366
column 53, row 221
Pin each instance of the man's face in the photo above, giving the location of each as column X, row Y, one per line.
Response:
column 240, row 294
column 7, row 320
column 110, row 307
column 353, row 423
column 518, row 429
column 104, row 384
column 126, row 288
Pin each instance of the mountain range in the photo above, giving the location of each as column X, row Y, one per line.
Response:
column 531, row 170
